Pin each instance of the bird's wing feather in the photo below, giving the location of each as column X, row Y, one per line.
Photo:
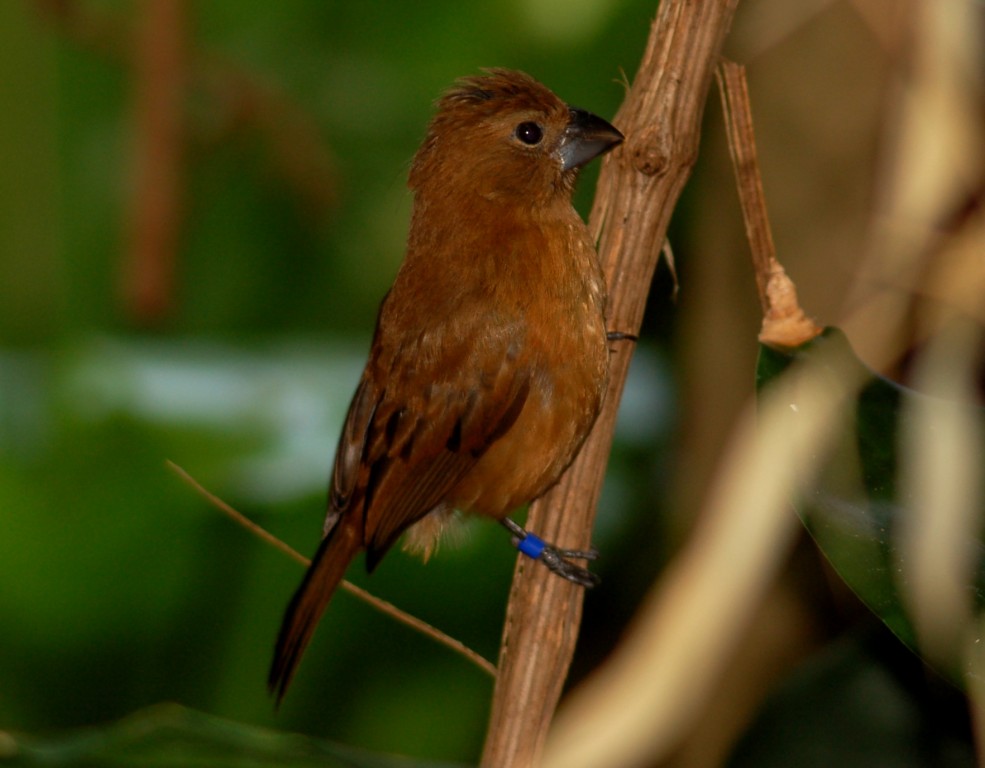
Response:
column 401, row 454
column 352, row 442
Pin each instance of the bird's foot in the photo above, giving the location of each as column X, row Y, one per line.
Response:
column 556, row 559
column 621, row 336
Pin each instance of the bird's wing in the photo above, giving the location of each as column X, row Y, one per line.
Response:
column 423, row 415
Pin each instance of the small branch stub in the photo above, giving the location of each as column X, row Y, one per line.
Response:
column 784, row 323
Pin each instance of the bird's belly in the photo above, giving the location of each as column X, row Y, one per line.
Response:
column 530, row 457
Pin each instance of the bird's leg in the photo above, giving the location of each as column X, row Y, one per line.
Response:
column 556, row 559
column 621, row 336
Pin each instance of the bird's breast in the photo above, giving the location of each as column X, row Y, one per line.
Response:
column 567, row 354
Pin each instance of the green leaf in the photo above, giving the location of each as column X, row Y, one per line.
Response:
column 854, row 507
column 173, row 735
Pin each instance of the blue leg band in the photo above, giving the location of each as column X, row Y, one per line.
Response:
column 532, row 546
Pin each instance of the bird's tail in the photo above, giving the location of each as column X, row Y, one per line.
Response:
column 309, row 602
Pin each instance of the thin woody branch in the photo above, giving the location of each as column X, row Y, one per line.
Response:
column 169, row 69
column 160, row 72
column 379, row 604
column 637, row 191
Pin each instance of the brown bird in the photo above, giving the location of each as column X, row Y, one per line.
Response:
column 490, row 356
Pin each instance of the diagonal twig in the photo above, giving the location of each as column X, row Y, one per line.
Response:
column 381, row 605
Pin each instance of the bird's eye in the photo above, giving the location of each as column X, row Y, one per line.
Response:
column 529, row 133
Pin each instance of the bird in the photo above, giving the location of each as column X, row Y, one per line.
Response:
column 490, row 357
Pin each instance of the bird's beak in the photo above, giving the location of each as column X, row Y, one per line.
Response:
column 586, row 137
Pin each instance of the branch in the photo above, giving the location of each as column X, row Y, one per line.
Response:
column 638, row 188
column 637, row 707
column 156, row 207
column 367, row 597
column 169, row 70
column 784, row 322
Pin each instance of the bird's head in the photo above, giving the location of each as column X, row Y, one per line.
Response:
column 504, row 135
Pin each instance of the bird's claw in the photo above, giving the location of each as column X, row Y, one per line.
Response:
column 559, row 564
column 556, row 559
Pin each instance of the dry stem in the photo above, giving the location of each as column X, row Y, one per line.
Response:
column 381, row 605
column 784, row 323
column 160, row 72
column 637, row 191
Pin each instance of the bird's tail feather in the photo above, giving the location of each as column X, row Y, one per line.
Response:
column 308, row 604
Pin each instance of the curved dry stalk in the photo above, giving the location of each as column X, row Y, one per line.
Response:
column 367, row 597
